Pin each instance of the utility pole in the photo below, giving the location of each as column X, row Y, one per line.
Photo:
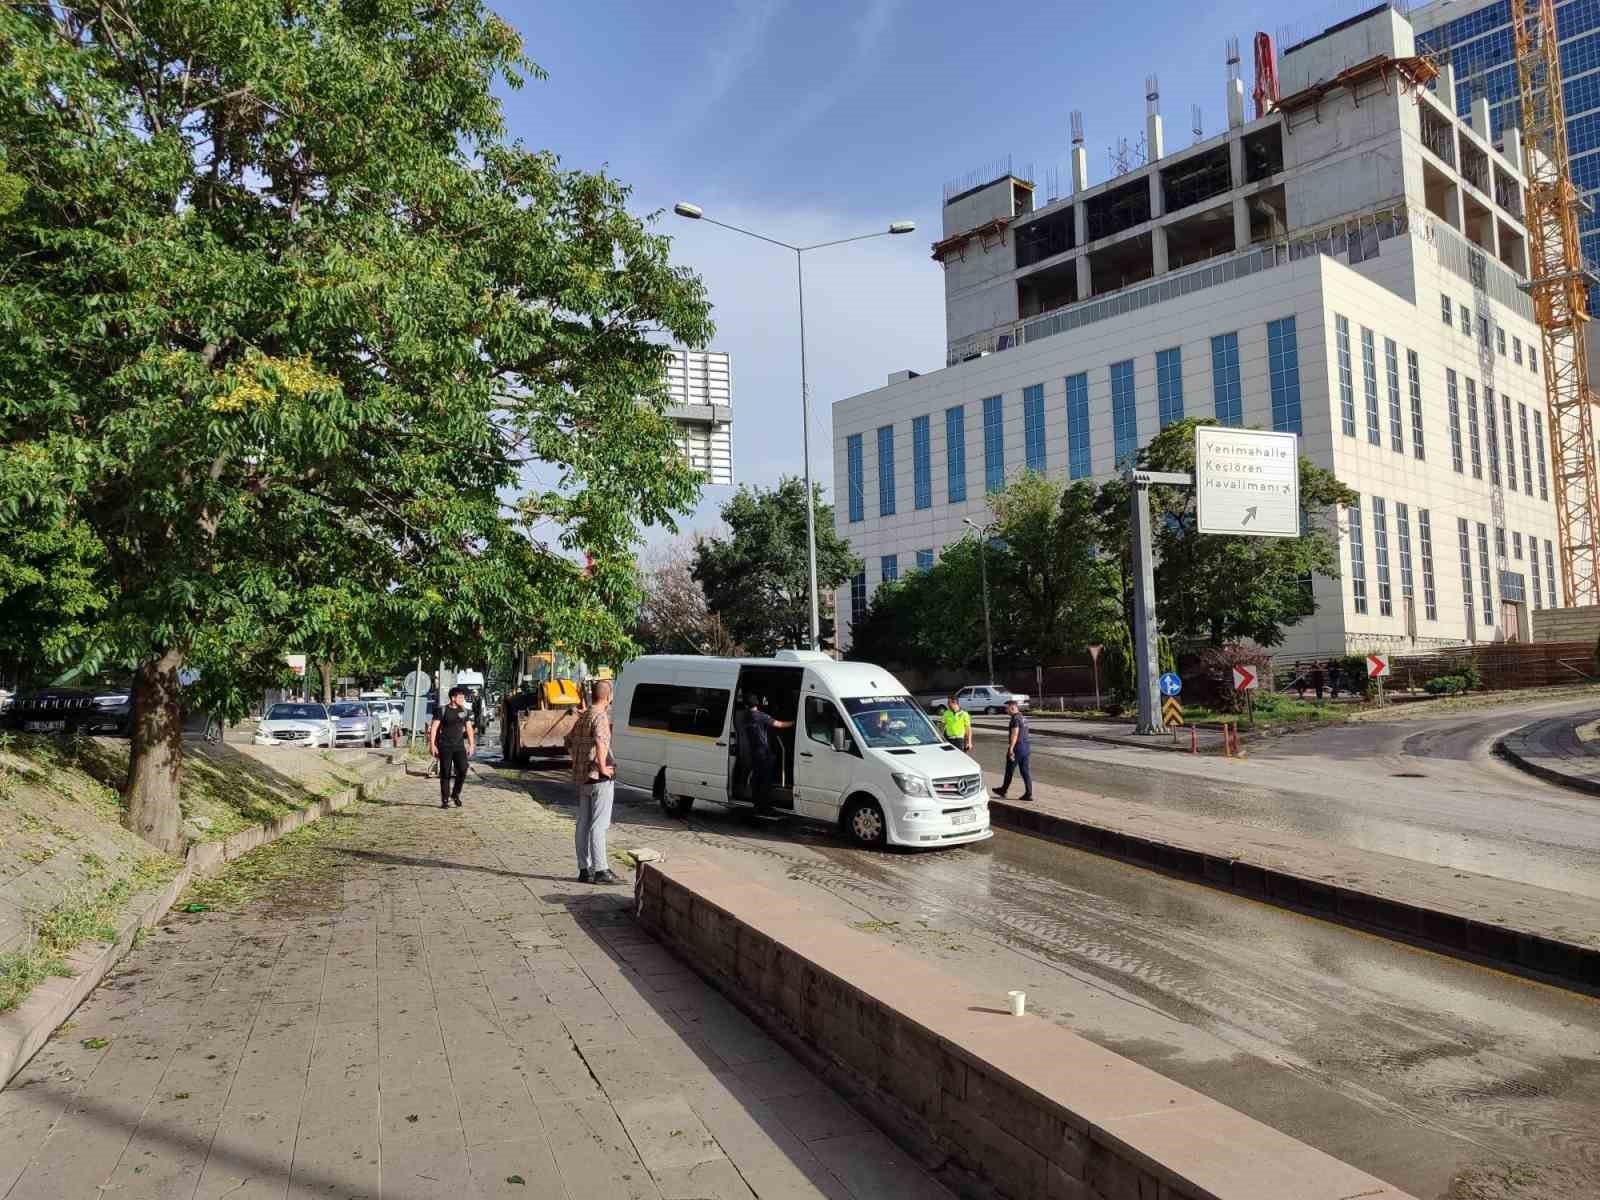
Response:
column 1146, row 634
column 983, row 532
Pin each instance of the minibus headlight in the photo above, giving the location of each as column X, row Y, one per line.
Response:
column 913, row 785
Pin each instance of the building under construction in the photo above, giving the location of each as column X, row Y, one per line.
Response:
column 1348, row 260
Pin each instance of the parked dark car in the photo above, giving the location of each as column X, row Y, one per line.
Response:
column 71, row 710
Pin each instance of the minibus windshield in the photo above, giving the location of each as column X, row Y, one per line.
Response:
column 888, row 721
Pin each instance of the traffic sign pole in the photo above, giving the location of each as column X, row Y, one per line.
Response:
column 1146, row 635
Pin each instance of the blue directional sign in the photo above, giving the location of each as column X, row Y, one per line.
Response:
column 1171, row 685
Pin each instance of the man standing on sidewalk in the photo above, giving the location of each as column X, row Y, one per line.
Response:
column 1017, row 753
column 957, row 724
column 451, row 740
column 594, row 771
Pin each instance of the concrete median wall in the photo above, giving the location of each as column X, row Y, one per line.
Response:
column 999, row 1105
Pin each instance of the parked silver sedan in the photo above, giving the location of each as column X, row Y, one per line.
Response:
column 355, row 724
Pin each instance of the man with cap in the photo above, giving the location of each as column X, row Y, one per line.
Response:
column 957, row 723
column 1017, row 752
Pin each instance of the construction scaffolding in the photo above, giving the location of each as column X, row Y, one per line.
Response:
column 1558, row 281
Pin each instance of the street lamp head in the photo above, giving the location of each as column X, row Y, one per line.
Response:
column 903, row 227
column 693, row 211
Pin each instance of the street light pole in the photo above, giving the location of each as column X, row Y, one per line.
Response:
column 694, row 212
column 983, row 570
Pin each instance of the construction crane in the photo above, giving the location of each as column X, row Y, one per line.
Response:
column 1558, row 283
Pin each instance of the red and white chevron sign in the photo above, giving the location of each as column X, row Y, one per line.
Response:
column 1377, row 665
column 1245, row 679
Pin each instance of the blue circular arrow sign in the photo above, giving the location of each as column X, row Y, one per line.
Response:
column 1171, row 685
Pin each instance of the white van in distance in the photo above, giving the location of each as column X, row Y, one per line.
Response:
column 861, row 756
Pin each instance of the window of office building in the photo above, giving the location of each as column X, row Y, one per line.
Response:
column 1516, row 544
column 1550, row 573
column 858, row 598
column 1499, row 543
column 1033, row 426
column 1369, row 385
column 1474, row 442
column 1169, row 385
column 1533, row 359
column 1430, row 597
column 1516, row 350
column 994, row 445
column 1538, row 451
column 1358, row 557
column 1414, row 383
column 1391, row 363
column 1466, row 320
column 1445, row 310
column 1452, row 404
column 1533, row 571
column 1464, row 544
column 925, row 559
column 1225, row 378
column 1500, row 340
column 1347, row 387
column 1527, row 458
column 1485, row 577
column 1078, row 464
column 889, row 566
column 1511, row 441
column 1402, row 532
column 886, row 470
column 1380, row 544
column 1124, row 416
column 1283, row 369
column 955, row 445
column 1491, row 434
column 854, row 469
column 921, row 463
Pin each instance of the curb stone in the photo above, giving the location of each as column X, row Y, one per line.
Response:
column 27, row 1027
column 1516, row 749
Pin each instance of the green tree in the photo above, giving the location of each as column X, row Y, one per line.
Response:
column 287, row 316
column 931, row 617
column 1212, row 589
column 755, row 579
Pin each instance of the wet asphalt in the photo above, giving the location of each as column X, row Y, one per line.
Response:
column 1449, row 1080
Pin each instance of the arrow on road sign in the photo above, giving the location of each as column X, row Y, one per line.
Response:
column 1245, row 678
column 1248, row 514
column 1377, row 665
column 1171, row 711
column 1171, row 685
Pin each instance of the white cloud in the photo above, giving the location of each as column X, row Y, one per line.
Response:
column 736, row 50
column 867, row 33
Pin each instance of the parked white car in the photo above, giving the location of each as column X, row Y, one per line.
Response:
column 386, row 712
column 981, row 698
column 296, row 724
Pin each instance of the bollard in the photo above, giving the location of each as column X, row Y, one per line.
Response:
column 1227, row 740
column 1194, row 740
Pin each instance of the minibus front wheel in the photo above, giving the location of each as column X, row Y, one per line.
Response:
column 673, row 806
column 864, row 823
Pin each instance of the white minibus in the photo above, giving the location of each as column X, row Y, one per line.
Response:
column 861, row 755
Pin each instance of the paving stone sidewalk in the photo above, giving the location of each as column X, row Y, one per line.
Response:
column 445, row 1014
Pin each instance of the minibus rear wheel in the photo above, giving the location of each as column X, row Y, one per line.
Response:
column 673, row 806
column 864, row 823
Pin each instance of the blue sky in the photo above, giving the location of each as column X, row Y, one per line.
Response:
column 814, row 119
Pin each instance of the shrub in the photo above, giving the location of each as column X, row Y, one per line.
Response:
column 1445, row 685
column 1354, row 678
column 1471, row 677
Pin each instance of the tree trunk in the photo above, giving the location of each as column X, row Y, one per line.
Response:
column 156, row 732
column 325, row 670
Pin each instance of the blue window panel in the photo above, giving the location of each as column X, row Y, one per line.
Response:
column 1581, row 94
column 1579, row 16
column 1480, row 54
column 1033, row 426
column 1124, row 415
column 921, row 463
column 1169, row 385
column 889, row 565
column 858, row 598
column 924, row 559
column 1078, row 454
column 1347, row 383
column 994, row 445
column 853, row 468
column 1369, row 385
column 1586, row 172
column 1580, row 55
column 1583, row 134
column 1391, row 362
column 1462, row 28
column 1225, row 378
column 955, row 441
column 886, row 470
column 1283, row 367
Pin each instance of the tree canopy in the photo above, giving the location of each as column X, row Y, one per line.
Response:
column 756, row 579
column 287, row 318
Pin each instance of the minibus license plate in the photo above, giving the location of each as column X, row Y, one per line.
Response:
column 44, row 726
column 963, row 817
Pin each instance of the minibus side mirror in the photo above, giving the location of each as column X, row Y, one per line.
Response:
column 838, row 739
